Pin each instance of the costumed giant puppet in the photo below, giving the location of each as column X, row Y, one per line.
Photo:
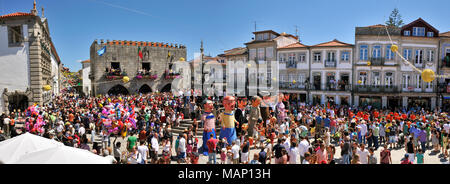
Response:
column 228, row 121
column 254, row 115
column 209, row 121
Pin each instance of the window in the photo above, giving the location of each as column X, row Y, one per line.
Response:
column 363, row 52
column 115, row 65
column 376, row 79
column 331, row 56
column 345, row 56
column 418, row 31
column 146, row 66
column 259, row 37
column 266, row 36
column 405, row 81
column 317, row 56
column 430, row 57
column 406, row 33
column 376, row 52
column 389, row 79
column 282, row 57
column 419, row 57
column 301, row 57
column 15, row 35
column 428, row 85
column 418, row 81
column 363, row 78
column 269, row 52
column 292, row 63
column 260, row 54
column 252, row 54
column 389, row 53
column 430, row 34
column 273, row 36
column 407, row 54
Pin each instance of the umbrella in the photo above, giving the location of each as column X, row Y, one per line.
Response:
column 62, row 155
column 12, row 149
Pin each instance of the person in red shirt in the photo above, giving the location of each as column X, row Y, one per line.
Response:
column 406, row 160
column 212, row 143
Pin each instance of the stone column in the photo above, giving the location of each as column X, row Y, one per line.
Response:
column 384, row 101
column 36, row 70
column 405, row 102
column 433, row 102
column 356, row 100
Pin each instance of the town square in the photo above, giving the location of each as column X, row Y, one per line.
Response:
column 108, row 82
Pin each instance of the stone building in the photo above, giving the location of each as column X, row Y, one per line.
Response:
column 86, row 82
column 388, row 81
column 444, row 69
column 29, row 61
column 153, row 72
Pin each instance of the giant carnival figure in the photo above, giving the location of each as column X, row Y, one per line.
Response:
column 240, row 114
column 209, row 121
column 228, row 121
column 281, row 111
column 255, row 114
column 265, row 106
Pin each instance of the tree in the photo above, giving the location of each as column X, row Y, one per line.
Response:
column 395, row 19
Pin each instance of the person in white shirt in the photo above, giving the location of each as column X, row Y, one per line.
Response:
column 363, row 131
column 307, row 157
column 446, row 127
column 293, row 153
column 182, row 148
column 363, row 154
column 155, row 148
column 235, row 152
column 82, row 130
column 143, row 151
column 303, row 148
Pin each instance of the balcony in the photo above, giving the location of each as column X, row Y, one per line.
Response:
column 330, row 63
column 171, row 75
column 292, row 86
column 291, row 65
column 375, row 89
column 443, row 88
column 377, row 61
column 146, row 75
column 419, row 63
column 112, row 74
column 412, row 88
column 445, row 63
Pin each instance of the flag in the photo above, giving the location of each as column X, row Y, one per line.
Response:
column 168, row 54
column 140, row 52
column 101, row 51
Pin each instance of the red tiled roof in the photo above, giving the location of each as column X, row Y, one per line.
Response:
column 446, row 34
column 86, row 61
column 235, row 51
column 420, row 20
column 334, row 43
column 17, row 14
column 378, row 25
column 294, row 45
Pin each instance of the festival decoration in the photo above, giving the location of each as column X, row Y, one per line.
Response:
column 227, row 120
column 209, row 120
column 359, row 81
column 369, row 63
column 125, row 79
column 47, row 87
column 394, row 48
column 428, row 75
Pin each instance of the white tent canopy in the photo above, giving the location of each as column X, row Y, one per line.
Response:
column 62, row 155
column 12, row 149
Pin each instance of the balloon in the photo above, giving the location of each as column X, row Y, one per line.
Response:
column 368, row 63
column 125, row 79
column 47, row 87
column 294, row 81
column 359, row 81
column 249, row 65
column 182, row 59
column 394, row 48
column 428, row 75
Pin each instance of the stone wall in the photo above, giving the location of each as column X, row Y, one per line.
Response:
column 126, row 53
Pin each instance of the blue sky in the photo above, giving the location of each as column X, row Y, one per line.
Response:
column 222, row 25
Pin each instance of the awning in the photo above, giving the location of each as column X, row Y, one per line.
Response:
column 446, row 97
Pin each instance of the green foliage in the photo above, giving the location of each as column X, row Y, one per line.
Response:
column 395, row 19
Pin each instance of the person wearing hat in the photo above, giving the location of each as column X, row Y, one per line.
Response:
column 406, row 160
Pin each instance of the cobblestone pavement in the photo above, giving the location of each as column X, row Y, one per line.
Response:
column 397, row 154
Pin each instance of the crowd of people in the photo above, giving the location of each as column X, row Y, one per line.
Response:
column 282, row 132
